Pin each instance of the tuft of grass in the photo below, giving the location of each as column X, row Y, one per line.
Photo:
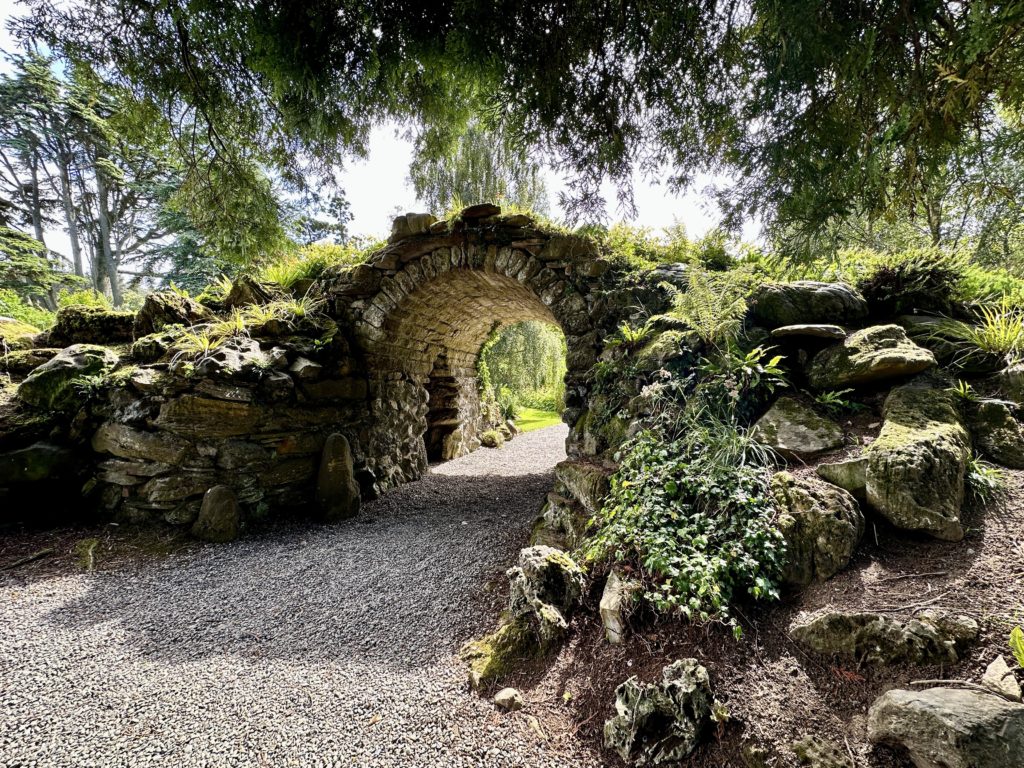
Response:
column 985, row 481
column 998, row 331
column 1017, row 644
column 310, row 262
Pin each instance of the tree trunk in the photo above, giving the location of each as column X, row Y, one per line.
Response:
column 106, row 252
column 37, row 208
column 70, row 219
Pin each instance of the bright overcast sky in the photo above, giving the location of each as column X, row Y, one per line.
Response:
column 378, row 187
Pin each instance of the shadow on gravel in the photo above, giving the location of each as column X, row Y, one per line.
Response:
column 402, row 584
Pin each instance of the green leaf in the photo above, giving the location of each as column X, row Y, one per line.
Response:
column 1017, row 645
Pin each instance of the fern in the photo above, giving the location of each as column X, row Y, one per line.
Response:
column 1017, row 645
column 713, row 305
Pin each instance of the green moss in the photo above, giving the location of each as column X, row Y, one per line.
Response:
column 918, row 414
column 15, row 334
column 495, row 655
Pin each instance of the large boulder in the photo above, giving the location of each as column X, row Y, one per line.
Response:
column 658, row 723
column 950, row 727
column 15, row 334
column 90, row 325
column 23, row 361
column 796, row 431
column 874, row 354
column 997, row 434
column 586, row 482
column 807, row 302
column 51, row 385
column 822, row 525
column 167, row 308
column 930, row 637
column 916, row 467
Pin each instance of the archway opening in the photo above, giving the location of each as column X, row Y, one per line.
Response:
column 443, row 417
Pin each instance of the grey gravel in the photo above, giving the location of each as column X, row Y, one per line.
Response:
column 303, row 646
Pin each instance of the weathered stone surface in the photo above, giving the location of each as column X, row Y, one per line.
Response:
column 817, row 752
column 931, row 637
column 33, row 463
column 545, row 588
column 23, row 361
column 807, row 302
column 90, row 325
column 949, row 727
column 810, row 331
column 245, row 291
column 480, row 211
column 305, row 370
column 1011, row 382
column 219, row 517
column 508, row 700
column 149, row 349
column 588, row 483
column 664, row 722
column 1000, row 679
column 205, row 417
column 617, row 602
column 51, row 385
column 797, row 431
column 561, row 523
column 878, row 353
column 15, row 334
column 337, row 491
column 495, row 655
column 849, row 474
column 165, row 308
column 822, row 525
column 128, row 443
column 238, row 358
column 916, row 467
column 997, row 434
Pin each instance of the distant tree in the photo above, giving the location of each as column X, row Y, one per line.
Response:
column 474, row 167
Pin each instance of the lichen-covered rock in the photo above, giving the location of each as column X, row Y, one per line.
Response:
column 816, row 752
column 238, row 358
column 544, row 575
column 246, row 291
column 219, row 516
column 493, row 656
column 807, row 302
column 51, row 385
column 561, row 523
column 167, row 308
column 821, row 523
column 15, row 334
column 796, row 431
column 151, row 348
column 916, row 468
column 90, row 325
column 874, row 354
column 337, row 491
column 492, row 438
column 997, row 434
column 24, row 361
column 930, row 637
column 848, row 474
column 950, row 727
column 617, row 602
column 658, row 723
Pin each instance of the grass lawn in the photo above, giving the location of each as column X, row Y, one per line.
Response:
column 530, row 419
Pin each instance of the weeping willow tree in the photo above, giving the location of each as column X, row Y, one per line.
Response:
column 473, row 167
column 524, row 364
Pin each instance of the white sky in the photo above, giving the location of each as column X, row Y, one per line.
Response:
column 378, row 186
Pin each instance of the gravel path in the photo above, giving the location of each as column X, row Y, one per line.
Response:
column 309, row 646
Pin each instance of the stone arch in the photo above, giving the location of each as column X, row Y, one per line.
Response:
column 433, row 295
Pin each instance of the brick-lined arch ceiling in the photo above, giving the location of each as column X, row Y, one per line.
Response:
column 454, row 313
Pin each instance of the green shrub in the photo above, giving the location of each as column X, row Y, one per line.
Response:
column 923, row 280
column 12, row 305
column 982, row 285
column 85, row 297
column 695, row 517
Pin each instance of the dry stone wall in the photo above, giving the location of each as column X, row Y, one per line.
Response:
column 390, row 366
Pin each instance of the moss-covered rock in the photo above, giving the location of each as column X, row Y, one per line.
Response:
column 871, row 355
column 586, row 482
column 167, row 308
column 1011, row 382
column 822, row 525
column 91, row 325
column 796, row 431
column 24, row 361
column 51, row 385
column 915, row 469
column 494, row 656
column 492, row 438
column 997, row 434
column 15, row 334
column 849, row 474
column 807, row 302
